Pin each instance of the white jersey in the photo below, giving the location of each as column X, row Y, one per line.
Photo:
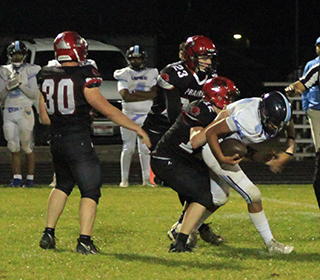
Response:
column 133, row 80
column 27, row 93
column 244, row 120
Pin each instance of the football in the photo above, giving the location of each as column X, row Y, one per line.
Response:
column 230, row 147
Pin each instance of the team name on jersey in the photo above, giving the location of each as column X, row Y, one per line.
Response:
column 139, row 78
column 193, row 92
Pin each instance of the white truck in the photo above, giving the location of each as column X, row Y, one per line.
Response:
column 108, row 58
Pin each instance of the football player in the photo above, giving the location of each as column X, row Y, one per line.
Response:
column 180, row 83
column 18, row 91
column 70, row 92
column 137, row 87
column 175, row 154
column 251, row 120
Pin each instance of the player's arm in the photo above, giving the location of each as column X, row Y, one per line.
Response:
column 277, row 163
column 295, row 89
column 138, row 95
column 43, row 115
column 173, row 103
column 198, row 134
column 213, row 133
column 97, row 101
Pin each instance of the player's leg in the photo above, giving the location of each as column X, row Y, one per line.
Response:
column 26, row 124
column 59, row 195
column 11, row 134
column 129, row 144
column 238, row 180
column 87, row 173
column 314, row 120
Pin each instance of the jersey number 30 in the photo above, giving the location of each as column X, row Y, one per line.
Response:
column 59, row 97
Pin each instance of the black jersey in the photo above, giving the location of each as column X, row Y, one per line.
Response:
column 175, row 81
column 62, row 88
column 175, row 142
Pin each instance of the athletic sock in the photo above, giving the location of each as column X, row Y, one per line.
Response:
column 85, row 238
column 182, row 238
column 261, row 223
column 49, row 230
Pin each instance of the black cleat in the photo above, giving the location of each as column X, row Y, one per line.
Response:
column 207, row 235
column 47, row 241
column 179, row 248
column 86, row 249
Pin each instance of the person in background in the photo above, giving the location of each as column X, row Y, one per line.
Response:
column 137, row 87
column 70, row 92
column 308, row 87
column 19, row 91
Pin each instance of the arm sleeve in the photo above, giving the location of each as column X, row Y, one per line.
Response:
column 173, row 104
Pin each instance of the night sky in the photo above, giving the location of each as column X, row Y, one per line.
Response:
column 277, row 41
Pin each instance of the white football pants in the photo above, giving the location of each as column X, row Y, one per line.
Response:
column 130, row 139
column 18, row 125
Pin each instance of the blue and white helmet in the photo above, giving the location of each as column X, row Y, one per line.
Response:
column 275, row 112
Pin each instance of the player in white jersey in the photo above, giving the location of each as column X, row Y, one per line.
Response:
column 253, row 121
column 137, row 86
column 18, row 91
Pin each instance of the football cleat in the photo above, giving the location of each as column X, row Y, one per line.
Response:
column 148, row 183
column 179, row 248
column 124, row 184
column 207, row 235
column 15, row 183
column 54, row 182
column 274, row 246
column 47, row 241
column 86, row 248
column 28, row 184
column 192, row 240
column 173, row 232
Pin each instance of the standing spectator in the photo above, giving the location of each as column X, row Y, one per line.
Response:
column 70, row 92
column 18, row 91
column 308, row 87
column 137, row 86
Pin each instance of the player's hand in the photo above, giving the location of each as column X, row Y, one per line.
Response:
column 232, row 160
column 292, row 91
column 144, row 137
column 277, row 163
column 14, row 81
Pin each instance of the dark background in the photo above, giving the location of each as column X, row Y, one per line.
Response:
column 279, row 36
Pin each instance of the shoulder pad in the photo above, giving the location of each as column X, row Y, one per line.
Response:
column 120, row 74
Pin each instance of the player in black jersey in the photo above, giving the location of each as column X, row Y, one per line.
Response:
column 70, row 92
column 180, row 83
column 175, row 160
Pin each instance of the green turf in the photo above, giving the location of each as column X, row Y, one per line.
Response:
column 131, row 228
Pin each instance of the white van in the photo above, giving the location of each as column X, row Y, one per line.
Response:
column 108, row 59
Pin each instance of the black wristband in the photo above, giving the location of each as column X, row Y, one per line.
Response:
column 290, row 154
column 291, row 137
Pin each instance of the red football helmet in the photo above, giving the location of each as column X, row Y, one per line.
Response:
column 220, row 91
column 196, row 46
column 70, row 46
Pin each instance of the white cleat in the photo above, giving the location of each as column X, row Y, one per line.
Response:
column 124, row 184
column 54, row 182
column 148, row 183
column 274, row 246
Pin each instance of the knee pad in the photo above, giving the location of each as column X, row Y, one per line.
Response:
column 254, row 193
column 13, row 147
column 26, row 148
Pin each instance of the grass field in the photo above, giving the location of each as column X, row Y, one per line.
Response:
column 131, row 228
